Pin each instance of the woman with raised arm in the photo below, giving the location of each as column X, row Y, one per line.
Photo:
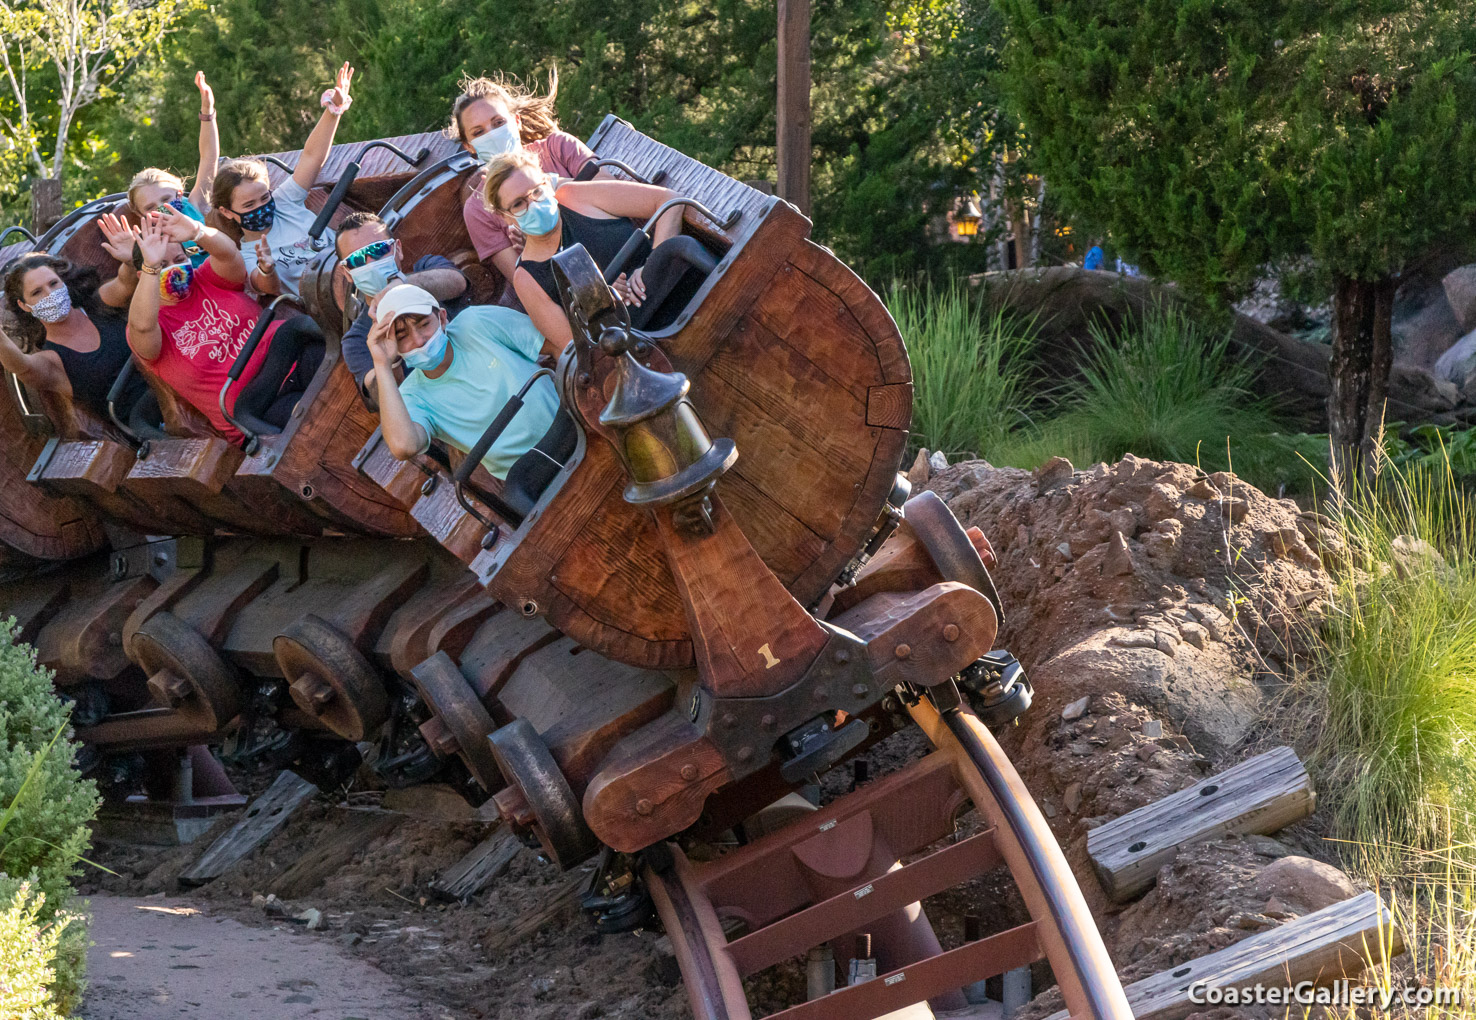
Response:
column 70, row 329
column 554, row 216
column 190, row 324
column 153, row 187
column 493, row 116
column 271, row 227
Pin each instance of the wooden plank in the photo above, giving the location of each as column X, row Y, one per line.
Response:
column 1321, row 947
column 484, row 863
column 268, row 813
column 793, row 142
column 360, row 829
column 1260, row 795
column 562, row 902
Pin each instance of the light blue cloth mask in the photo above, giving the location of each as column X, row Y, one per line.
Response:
column 429, row 355
column 373, row 277
column 495, row 142
column 541, row 216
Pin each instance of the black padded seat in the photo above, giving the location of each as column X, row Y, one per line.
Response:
column 673, row 274
column 532, row 472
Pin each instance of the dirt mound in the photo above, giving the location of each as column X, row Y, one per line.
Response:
column 1155, row 609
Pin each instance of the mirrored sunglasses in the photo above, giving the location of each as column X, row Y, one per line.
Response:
column 371, row 252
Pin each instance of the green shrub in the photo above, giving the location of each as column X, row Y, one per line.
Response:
column 1396, row 695
column 1165, row 390
column 968, row 369
column 46, row 804
column 28, row 946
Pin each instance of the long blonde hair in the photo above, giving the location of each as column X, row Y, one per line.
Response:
column 500, row 168
column 153, row 175
column 536, row 114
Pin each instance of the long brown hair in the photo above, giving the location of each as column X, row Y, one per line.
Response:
column 81, row 281
column 536, row 115
column 232, row 174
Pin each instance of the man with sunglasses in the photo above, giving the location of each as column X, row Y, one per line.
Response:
column 373, row 261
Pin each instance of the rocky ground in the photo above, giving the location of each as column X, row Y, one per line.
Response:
column 1157, row 611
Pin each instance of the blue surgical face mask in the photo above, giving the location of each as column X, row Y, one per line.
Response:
column 497, row 141
column 541, row 216
column 373, row 277
column 429, row 355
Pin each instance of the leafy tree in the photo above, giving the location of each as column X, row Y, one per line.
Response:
column 60, row 56
column 1214, row 139
column 903, row 115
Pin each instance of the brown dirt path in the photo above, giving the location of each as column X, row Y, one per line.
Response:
column 159, row 958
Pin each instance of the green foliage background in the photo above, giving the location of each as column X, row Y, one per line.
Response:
column 45, row 805
column 903, row 99
column 1212, row 139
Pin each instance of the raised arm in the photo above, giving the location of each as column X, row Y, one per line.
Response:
column 209, row 145
column 225, row 257
column 118, row 238
column 144, row 335
column 547, row 314
column 43, row 369
column 402, row 435
column 315, row 150
column 626, row 198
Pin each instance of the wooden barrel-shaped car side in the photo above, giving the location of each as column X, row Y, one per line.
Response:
column 790, row 355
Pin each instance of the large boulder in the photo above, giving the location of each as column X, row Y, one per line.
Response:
column 1460, row 291
column 1458, row 362
column 1303, row 885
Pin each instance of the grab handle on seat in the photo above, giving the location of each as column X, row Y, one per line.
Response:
column 628, row 249
column 656, row 178
column 346, row 181
column 253, row 441
column 139, row 444
column 17, row 229
column 274, row 161
column 476, row 453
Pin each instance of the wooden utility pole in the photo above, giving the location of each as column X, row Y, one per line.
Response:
column 794, row 103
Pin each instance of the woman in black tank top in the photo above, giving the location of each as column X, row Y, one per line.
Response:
column 554, row 215
column 70, row 328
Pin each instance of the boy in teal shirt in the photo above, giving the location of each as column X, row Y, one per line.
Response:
column 460, row 376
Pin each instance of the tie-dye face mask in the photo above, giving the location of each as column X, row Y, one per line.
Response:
column 174, row 282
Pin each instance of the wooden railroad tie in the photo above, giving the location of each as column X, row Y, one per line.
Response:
column 1320, row 947
column 268, row 813
column 1260, row 795
column 484, row 863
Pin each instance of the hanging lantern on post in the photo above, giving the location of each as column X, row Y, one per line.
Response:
column 966, row 220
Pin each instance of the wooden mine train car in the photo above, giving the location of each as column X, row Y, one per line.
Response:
column 703, row 586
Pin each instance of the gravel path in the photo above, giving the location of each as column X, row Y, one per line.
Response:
column 163, row 958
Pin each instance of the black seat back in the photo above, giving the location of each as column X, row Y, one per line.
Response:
column 531, row 473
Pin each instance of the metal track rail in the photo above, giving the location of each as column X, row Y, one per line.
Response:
column 837, row 873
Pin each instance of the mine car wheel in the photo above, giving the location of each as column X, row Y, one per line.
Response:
column 330, row 679
column 558, row 819
column 949, row 547
column 185, row 673
column 464, row 719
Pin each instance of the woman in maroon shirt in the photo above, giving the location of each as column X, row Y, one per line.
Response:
column 494, row 115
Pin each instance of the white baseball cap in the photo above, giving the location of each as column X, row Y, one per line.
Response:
column 405, row 299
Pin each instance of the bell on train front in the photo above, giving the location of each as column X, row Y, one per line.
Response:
column 667, row 451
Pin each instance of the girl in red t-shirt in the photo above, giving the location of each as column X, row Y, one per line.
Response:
column 189, row 325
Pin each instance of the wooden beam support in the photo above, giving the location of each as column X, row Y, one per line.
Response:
column 794, row 103
column 1324, row 946
column 1260, row 795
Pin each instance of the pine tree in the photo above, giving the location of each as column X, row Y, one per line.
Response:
column 1217, row 139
